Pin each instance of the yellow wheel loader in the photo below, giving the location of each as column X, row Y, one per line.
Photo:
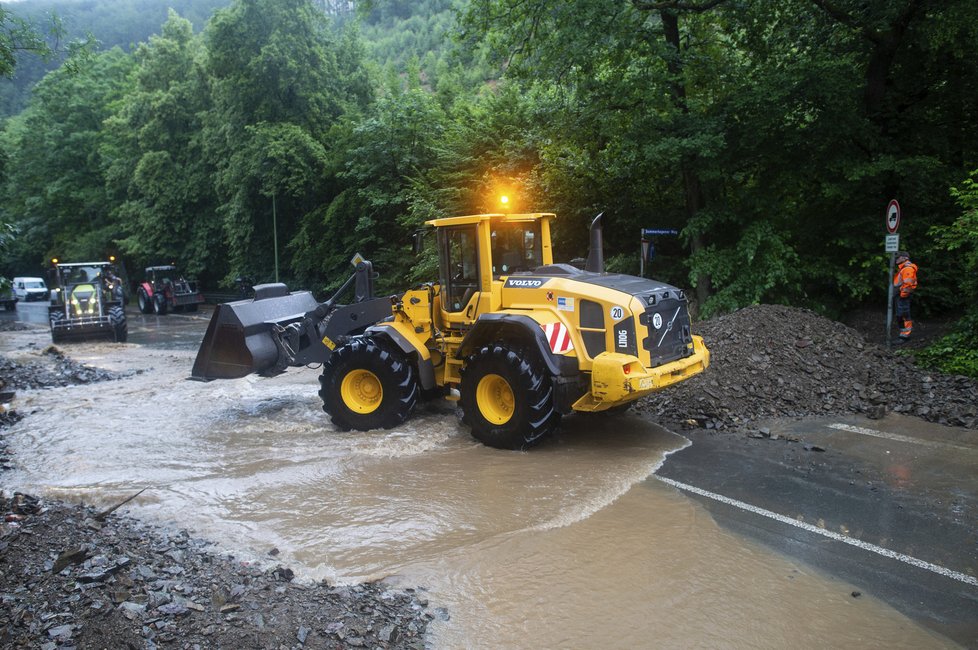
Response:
column 518, row 340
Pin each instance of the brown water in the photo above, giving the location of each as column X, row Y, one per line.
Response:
column 572, row 545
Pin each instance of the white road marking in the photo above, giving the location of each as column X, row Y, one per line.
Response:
column 866, row 546
column 896, row 437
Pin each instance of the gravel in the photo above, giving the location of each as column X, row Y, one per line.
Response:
column 770, row 361
column 73, row 577
column 56, row 370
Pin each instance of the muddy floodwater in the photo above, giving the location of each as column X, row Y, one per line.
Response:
column 572, row 545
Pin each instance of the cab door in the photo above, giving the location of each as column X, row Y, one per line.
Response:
column 460, row 271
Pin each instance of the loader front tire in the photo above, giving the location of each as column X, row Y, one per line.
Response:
column 366, row 385
column 507, row 398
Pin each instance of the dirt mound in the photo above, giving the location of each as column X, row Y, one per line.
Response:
column 73, row 578
column 772, row 361
column 54, row 369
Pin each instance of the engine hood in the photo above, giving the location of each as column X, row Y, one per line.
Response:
column 629, row 284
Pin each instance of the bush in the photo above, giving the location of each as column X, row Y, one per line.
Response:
column 956, row 353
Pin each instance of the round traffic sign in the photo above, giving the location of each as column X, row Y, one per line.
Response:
column 892, row 216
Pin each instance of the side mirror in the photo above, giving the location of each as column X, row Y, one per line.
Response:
column 418, row 242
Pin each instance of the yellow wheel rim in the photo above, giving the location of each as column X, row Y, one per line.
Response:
column 495, row 397
column 361, row 391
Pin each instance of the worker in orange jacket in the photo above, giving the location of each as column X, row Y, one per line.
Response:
column 904, row 282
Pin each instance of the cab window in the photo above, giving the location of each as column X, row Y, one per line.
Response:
column 460, row 269
column 516, row 248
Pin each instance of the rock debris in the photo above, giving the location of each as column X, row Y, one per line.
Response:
column 771, row 361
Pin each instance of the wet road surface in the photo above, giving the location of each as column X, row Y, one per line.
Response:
column 576, row 544
column 891, row 505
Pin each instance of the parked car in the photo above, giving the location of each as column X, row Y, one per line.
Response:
column 31, row 289
column 7, row 298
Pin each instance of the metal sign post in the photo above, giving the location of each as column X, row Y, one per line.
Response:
column 892, row 246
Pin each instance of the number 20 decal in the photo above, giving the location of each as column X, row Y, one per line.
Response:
column 617, row 313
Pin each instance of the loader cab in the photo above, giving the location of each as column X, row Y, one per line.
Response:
column 476, row 252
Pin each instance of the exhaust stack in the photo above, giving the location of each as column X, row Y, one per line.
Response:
column 595, row 254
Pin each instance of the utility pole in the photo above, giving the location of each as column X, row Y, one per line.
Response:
column 275, row 235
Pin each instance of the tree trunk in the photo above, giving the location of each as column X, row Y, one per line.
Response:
column 693, row 194
column 884, row 46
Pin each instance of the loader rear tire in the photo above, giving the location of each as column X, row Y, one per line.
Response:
column 507, row 398
column 367, row 385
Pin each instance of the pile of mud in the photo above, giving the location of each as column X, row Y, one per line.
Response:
column 770, row 361
column 77, row 578
column 54, row 369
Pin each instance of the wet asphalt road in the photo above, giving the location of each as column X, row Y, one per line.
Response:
column 889, row 505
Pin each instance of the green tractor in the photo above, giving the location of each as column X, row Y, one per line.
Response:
column 88, row 302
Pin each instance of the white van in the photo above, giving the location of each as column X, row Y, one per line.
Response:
column 31, row 289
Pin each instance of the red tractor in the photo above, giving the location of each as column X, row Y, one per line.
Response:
column 166, row 290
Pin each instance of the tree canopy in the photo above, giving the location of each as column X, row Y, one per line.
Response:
column 771, row 134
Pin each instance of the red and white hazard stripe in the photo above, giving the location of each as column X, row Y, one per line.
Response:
column 558, row 337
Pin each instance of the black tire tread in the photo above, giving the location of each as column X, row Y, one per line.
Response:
column 55, row 317
column 401, row 390
column 144, row 301
column 120, row 328
column 159, row 305
column 535, row 416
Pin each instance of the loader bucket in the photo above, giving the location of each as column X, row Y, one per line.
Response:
column 240, row 339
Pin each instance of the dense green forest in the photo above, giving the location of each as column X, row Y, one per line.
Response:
column 107, row 23
column 770, row 133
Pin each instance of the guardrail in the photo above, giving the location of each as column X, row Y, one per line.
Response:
column 217, row 297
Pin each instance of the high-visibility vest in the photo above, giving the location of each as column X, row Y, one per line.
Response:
column 906, row 278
